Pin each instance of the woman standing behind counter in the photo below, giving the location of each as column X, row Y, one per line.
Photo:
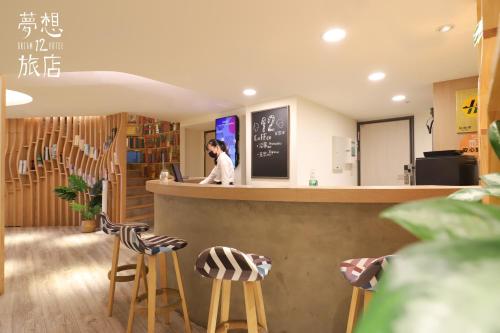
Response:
column 223, row 172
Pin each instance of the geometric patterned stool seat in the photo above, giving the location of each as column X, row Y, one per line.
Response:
column 225, row 265
column 155, row 249
column 113, row 229
column 363, row 274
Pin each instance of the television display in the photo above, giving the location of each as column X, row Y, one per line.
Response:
column 227, row 130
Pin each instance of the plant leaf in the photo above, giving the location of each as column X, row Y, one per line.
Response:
column 469, row 194
column 65, row 193
column 491, row 179
column 77, row 183
column 445, row 287
column 446, row 219
column 494, row 135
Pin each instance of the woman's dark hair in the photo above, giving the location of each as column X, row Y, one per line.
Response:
column 217, row 143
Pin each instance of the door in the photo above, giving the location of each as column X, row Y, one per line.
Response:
column 386, row 146
column 209, row 162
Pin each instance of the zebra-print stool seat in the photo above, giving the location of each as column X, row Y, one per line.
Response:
column 149, row 244
column 155, row 247
column 113, row 229
column 363, row 274
column 225, row 265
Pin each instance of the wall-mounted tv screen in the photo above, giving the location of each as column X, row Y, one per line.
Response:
column 227, row 130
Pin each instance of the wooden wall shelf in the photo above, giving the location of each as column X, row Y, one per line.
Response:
column 40, row 154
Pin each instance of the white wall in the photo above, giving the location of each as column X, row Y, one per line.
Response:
column 312, row 128
column 316, row 127
column 194, row 152
column 423, row 140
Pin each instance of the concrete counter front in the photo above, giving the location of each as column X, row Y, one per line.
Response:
column 306, row 231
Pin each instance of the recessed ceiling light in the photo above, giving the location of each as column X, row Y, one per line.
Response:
column 398, row 98
column 445, row 28
column 17, row 98
column 334, row 35
column 249, row 92
column 376, row 76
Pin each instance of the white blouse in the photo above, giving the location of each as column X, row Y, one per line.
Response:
column 223, row 172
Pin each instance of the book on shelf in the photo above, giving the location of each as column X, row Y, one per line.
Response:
column 39, row 160
column 76, row 140
column 86, row 149
column 53, row 152
column 22, row 167
column 46, row 153
column 81, row 144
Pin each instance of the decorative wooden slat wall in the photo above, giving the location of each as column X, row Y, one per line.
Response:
column 3, row 192
column 30, row 198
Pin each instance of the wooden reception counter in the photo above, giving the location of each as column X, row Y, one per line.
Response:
column 306, row 231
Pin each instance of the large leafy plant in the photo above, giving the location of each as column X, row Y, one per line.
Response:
column 77, row 185
column 450, row 282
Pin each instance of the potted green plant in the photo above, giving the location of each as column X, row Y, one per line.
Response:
column 88, row 211
column 447, row 283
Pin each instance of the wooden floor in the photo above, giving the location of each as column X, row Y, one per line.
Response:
column 56, row 281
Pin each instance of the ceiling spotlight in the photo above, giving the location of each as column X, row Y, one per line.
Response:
column 17, row 98
column 398, row 98
column 445, row 28
column 334, row 35
column 377, row 76
column 249, row 92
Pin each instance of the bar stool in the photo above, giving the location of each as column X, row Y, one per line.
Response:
column 155, row 247
column 224, row 265
column 363, row 274
column 113, row 229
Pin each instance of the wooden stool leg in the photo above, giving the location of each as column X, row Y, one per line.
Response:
column 367, row 298
column 259, row 301
column 151, row 293
column 180, row 286
column 214, row 306
column 248, row 289
column 225, row 301
column 354, row 309
column 135, row 291
column 145, row 278
column 112, row 278
column 164, row 281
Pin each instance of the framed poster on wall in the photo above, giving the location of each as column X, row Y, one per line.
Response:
column 270, row 143
column 466, row 110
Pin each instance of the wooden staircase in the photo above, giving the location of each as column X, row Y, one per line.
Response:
column 140, row 203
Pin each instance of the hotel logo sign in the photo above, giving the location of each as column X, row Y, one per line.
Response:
column 39, row 45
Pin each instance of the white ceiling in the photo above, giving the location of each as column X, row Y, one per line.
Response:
column 215, row 49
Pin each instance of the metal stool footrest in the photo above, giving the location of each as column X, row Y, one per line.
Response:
column 125, row 278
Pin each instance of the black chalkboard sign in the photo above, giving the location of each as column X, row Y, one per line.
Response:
column 270, row 143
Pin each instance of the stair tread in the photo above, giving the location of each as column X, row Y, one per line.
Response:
column 136, row 186
column 136, row 196
column 140, row 217
column 140, row 206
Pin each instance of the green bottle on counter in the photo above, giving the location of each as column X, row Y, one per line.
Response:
column 312, row 179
